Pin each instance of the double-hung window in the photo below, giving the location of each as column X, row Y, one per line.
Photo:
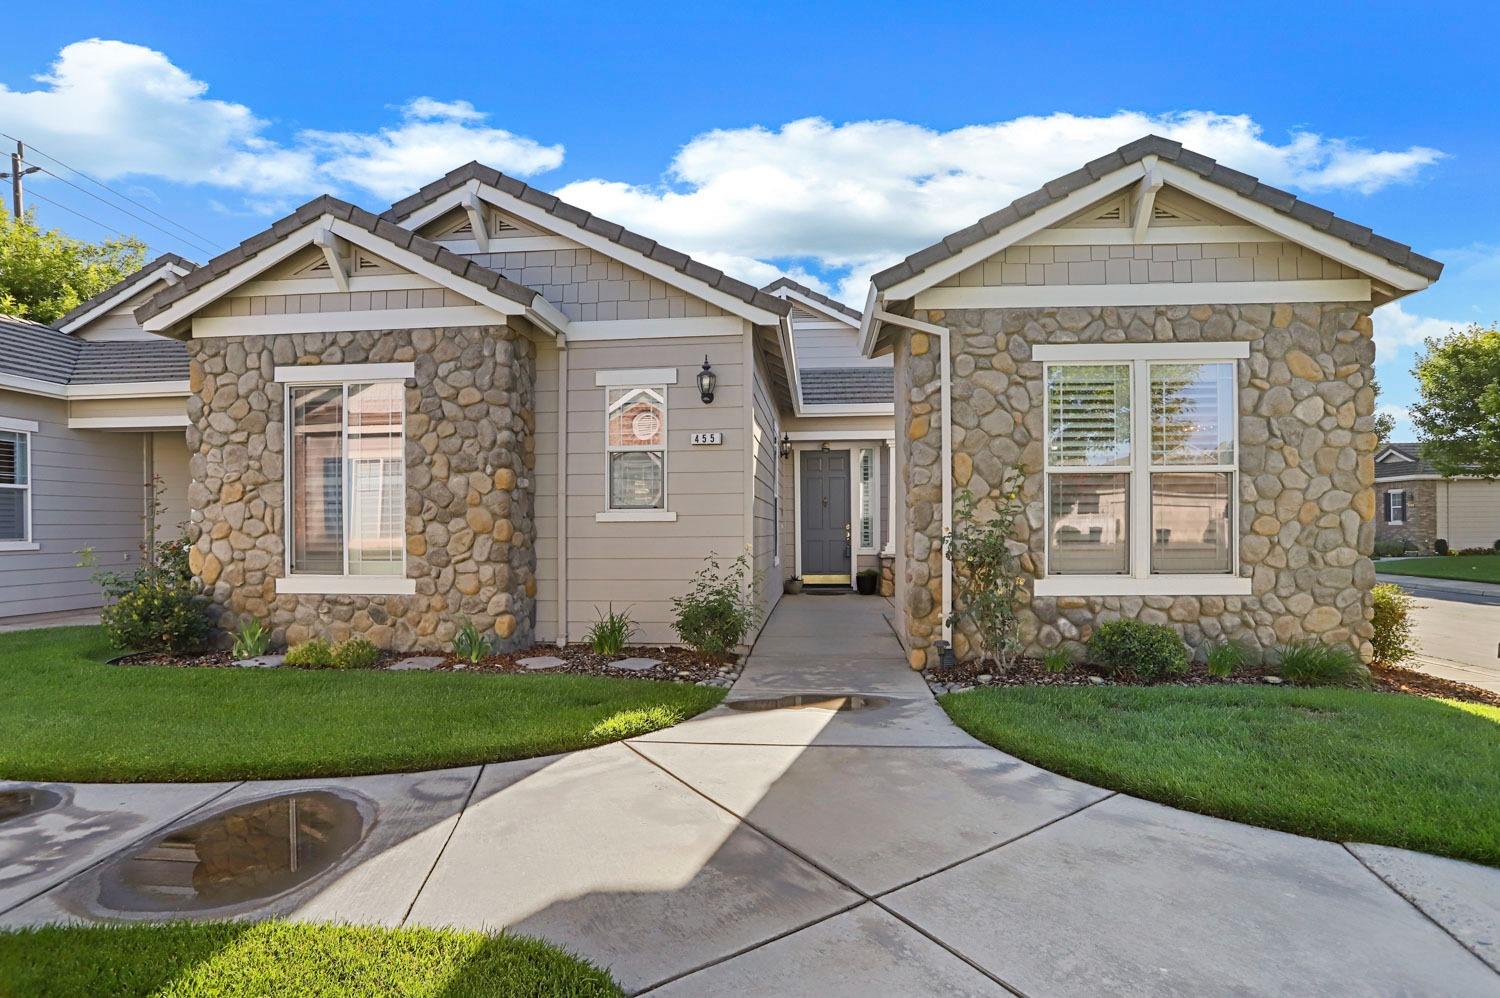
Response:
column 1141, row 469
column 15, row 484
column 636, row 448
column 346, row 498
column 1395, row 506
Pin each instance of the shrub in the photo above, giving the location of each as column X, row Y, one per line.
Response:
column 469, row 644
column 720, row 607
column 1497, row 547
column 1057, row 661
column 1392, row 639
column 154, row 613
column 632, row 723
column 610, row 631
column 355, row 653
column 1311, row 663
column 1148, row 650
column 1224, row 658
column 1475, row 551
column 313, row 654
column 1390, row 549
column 252, row 640
column 1440, row 545
column 987, row 576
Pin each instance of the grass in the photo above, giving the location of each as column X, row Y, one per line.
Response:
column 224, row 959
column 1344, row 765
column 66, row 715
column 1464, row 567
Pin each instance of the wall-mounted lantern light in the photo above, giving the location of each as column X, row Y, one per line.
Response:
column 786, row 445
column 707, row 381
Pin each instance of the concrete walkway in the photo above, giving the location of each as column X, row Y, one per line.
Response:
column 813, row 852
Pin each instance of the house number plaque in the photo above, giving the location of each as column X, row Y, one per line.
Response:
column 708, row 439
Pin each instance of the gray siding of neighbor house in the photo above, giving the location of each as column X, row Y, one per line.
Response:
column 639, row 565
column 87, row 490
column 823, row 342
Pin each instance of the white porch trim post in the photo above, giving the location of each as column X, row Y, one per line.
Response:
column 562, row 491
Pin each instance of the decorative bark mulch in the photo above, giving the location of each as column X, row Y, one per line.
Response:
column 221, row 660
column 678, row 665
column 1395, row 679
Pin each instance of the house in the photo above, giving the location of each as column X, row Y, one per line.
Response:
column 488, row 404
column 1178, row 359
column 1417, row 504
column 92, row 410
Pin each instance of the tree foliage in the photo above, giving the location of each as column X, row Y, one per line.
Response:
column 1458, row 417
column 44, row 274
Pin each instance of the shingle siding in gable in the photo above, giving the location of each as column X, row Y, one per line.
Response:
column 587, row 285
column 1171, row 263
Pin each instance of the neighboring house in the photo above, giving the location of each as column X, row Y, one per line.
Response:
column 1417, row 504
column 1179, row 360
column 92, row 409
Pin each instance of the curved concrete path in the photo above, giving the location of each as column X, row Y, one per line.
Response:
column 807, row 852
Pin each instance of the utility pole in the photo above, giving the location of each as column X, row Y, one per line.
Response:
column 17, row 171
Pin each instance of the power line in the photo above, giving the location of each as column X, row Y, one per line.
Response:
column 86, row 218
column 138, row 218
column 124, row 197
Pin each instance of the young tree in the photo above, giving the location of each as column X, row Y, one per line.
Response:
column 1385, row 423
column 1459, row 415
column 44, row 274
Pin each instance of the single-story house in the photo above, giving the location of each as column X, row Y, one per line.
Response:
column 1418, row 504
column 486, row 403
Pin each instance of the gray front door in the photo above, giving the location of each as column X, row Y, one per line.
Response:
column 824, row 492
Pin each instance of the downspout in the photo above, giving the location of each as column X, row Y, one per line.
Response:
column 945, row 396
column 562, row 491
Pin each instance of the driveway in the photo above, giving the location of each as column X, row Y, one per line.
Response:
column 790, row 851
column 1457, row 629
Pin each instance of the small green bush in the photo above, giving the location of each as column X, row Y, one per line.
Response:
column 1486, row 552
column 252, row 640
column 1311, row 663
column 720, row 607
column 1390, row 549
column 1393, row 638
column 1440, row 546
column 633, row 723
column 155, row 612
column 1057, row 661
column 469, row 645
column 1150, row 651
column 355, row 653
column 1224, row 658
column 313, row 654
column 610, row 632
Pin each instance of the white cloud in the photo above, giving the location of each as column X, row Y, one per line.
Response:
column 1404, row 430
column 115, row 110
column 856, row 197
column 1398, row 332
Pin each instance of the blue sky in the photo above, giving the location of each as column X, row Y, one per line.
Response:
column 822, row 140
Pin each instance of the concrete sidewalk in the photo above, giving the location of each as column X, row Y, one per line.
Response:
column 814, row 852
column 1457, row 627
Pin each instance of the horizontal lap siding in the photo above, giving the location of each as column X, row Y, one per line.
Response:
column 764, row 512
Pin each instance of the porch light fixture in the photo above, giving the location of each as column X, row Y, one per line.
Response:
column 707, row 382
column 786, row 445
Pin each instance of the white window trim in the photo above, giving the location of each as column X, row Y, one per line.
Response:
column 635, row 377
column 1389, row 507
column 299, row 583
column 633, row 515
column 25, row 428
column 1139, row 580
column 875, row 525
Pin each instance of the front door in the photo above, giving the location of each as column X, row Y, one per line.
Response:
column 824, row 492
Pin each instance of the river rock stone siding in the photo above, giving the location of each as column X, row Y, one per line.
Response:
column 470, row 454
column 1306, row 459
column 1420, row 528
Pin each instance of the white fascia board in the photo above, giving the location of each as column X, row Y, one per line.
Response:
column 128, row 422
column 33, row 386
column 343, row 322
column 1154, row 585
column 223, row 284
column 158, row 277
column 1236, row 350
column 130, row 390
column 593, row 330
column 1051, row 214
column 632, row 376
column 19, row 425
column 636, row 516
column 410, row 261
column 346, row 585
column 869, row 323
column 789, row 362
column 1206, row 293
column 817, row 306
column 542, row 219
column 839, row 436
column 1292, row 230
column 1419, row 478
column 325, row 373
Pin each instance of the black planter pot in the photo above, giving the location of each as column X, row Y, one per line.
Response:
column 866, row 584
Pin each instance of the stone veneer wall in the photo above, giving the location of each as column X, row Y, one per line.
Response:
column 1421, row 514
column 1306, row 502
column 470, row 454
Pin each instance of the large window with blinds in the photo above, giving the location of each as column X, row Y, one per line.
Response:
column 1140, row 467
column 15, row 486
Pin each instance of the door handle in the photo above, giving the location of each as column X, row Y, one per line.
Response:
column 846, row 533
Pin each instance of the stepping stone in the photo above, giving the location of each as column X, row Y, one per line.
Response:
column 539, row 662
column 635, row 664
column 261, row 662
column 422, row 662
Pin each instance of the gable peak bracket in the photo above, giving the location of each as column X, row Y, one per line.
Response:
column 1145, row 198
column 336, row 252
column 474, row 208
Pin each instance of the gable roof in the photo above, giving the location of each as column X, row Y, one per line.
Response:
column 786, row 284
column 464, row 270
column 1402, row 461
column 155, row 270
column 45, row 360
column 1279, row 201
column 588, row 222
column 847, row 385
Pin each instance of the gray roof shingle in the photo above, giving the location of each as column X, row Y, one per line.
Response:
column 1154, row 145
column 1414, row 464
column 675, row 259
column 378, row 226
column 41, row 353
column 124, row 286
column 847, row 385
column 822, row 299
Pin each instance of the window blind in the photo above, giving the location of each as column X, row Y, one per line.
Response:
column 1088, row 415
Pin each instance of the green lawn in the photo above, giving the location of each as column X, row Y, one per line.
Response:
column 224, row 959
column 1344, row 765
column 65, row 715
column 1467, row 567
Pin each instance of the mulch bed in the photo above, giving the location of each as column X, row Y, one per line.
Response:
column 1394, row 679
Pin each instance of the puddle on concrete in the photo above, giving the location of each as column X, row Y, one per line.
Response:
column 251, row 852
column 27, row 800
column 811, row 701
